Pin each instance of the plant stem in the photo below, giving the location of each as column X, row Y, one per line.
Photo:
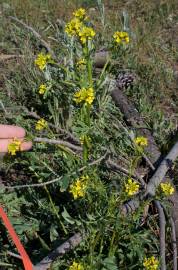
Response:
column 54, row 209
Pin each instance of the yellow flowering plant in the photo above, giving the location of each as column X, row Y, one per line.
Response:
column 131, row 187
column 78, row 188
column 167, row 188
column 14, row 147
column 121, row 37
column 80, row 13
column 76, row 266
column 81, row 137
column 151, row 263
column 41, row 124
column 42, row 60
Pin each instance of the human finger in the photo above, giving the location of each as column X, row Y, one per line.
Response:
column 10, row 131
column 25, row 145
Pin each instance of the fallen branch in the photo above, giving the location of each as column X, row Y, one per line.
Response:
column 58, row 129
column 36, row 34
column 133, row 118
column 70, row 244
column 162, row 224
column 95, row 162
column 59, row 142
column 5, row 57
column 136, row 176
column 174, row 245
column 160, row 173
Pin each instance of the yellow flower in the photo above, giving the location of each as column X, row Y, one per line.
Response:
column 167, row 188
column 80, row 13
column 73, row 27
column 42, row 60
column 141, row 141
column 14, row 146
column 84, row 95
column 121, row 37
column 41, row 124
column 79, row 186
column 81, row 63
column 76, row 266
column 86, row 33
column 42, row 89
column 131, row 187
column 151, row 263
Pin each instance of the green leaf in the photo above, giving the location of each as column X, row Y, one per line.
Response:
column 67, row 217
column 64, row 183
column 110, row 264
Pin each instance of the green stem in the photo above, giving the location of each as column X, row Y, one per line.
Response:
column 89, row 67
column 111, row 243
column 54, row 209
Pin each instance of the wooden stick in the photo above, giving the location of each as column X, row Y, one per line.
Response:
column 70, row 244
column 60, row 142
column 174, row 244
column 36, row 34
column 162, row 224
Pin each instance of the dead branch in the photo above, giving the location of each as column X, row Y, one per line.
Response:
column 36, row 34
column 133, row 118
column 6, row 57
column 162, row 224
column 174, row 244
column 59, row 142
column 70, row 244
column 58, row 129
column 160, row 173
column 111, row 164
column 92, row 163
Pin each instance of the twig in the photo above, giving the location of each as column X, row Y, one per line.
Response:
column 160, row 173
column 36, row 34
column 14, row 255
column 70, row 244
column 61, row 142
column 162, row 224
column 95, row 162
column 58, row 129
column 136, row 176
column 5, row 57
column 174, row 244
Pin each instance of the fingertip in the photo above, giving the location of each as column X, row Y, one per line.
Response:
column 25, row 146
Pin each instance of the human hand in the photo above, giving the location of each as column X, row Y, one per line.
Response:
column 8, row 133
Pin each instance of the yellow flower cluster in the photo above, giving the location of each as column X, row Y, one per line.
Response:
column 42, row 89
column 84, row 95
column 81, row 63
column 41, row 124
column 131, row 187
column 121, row 37
column 167, row 188
column 141, row 141
column 14, row 147
column 151, row 263
column 42, row 60
column 80, row 13
column 85, row 138
column 76, row 27
column 76, row 266
column 86, row 33
column 79, row 186
column 73, row 27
